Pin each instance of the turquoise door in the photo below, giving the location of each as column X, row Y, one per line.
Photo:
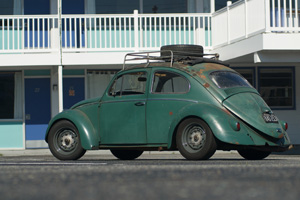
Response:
column 37, row 111
column 123, row 111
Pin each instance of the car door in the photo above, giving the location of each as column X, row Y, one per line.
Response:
column 169, row 94
column 122, row 109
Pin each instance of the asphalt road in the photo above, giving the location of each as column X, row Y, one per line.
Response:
column 155, row 176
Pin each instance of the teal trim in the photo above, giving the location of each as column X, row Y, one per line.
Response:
column 151, row 37
column 13, row 44
column 73, row 72
column 208, row 42
column 116, row 38
column 45, row 72
column 110, row 38
column 11, row 135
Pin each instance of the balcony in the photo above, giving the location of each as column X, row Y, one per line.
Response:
column 241, row 29
column 102, row 32
column 251, row 29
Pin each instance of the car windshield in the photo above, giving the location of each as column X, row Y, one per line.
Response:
column 226, row 79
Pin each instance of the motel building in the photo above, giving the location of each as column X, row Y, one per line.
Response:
column 53, row 56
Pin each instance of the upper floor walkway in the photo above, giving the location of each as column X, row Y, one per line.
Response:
column 78, row 39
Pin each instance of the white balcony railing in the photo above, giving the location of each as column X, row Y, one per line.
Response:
column 136, row 32
column 103, row 32
column 246, row 18
column 30, row 33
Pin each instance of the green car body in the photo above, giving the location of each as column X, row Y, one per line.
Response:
column 151, row 120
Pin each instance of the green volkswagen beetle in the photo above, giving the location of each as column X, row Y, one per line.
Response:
column 177, row 100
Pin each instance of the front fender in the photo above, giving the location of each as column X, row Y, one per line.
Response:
column 88, row 136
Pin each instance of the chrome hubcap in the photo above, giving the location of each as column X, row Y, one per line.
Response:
column 194, row 137
column 67, row 140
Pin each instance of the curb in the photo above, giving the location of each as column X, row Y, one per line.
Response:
column 46, row 152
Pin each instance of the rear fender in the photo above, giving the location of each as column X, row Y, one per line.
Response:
column 88, row 136
column 220, row 121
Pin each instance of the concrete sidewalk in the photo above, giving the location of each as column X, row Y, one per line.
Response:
column 41, row 152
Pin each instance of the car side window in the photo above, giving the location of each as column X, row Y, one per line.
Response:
column 169, row 82
column 129, row 84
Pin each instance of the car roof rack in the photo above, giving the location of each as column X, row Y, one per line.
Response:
column 164, row 57
column 148, row 56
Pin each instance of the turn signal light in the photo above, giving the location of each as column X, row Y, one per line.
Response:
column 238, row 126
column 286, row 126
column 235, row 125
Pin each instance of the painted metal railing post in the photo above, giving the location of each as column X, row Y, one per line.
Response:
column 136, row 30
column 267, row 16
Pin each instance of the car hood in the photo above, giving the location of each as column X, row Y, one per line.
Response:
column 84, row 102
column 250, row 107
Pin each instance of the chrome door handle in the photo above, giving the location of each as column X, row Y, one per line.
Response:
column 140, row 103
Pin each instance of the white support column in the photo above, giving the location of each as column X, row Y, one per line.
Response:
column 60, row 88
column 56, row 90
column 60, row 67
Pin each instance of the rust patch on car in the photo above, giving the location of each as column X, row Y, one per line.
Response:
column 206, row 85
column 170, row 113
column 281, row 135
column 226, row 111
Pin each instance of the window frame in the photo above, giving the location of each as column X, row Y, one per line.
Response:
column 253, row 72
column 211, row 76
column 168, row 71
column 20, row 93
column 109, row 93
column 293, row 107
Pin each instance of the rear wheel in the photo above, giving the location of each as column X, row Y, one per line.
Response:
column 64, row 141
column 252, row 154
column 126, row 154
column 195, row 140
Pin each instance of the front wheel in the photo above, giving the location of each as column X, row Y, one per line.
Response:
column 252, row 154
column 195, row 140
column 64, row 141
column 126, row 154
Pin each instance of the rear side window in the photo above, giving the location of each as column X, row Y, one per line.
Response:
column 226, row 79
column 169, row 82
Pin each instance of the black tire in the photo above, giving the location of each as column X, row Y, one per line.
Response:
column 195, row 140
column 126, row 154
column 182, row 50
column 64, row 141
column 252, row 154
